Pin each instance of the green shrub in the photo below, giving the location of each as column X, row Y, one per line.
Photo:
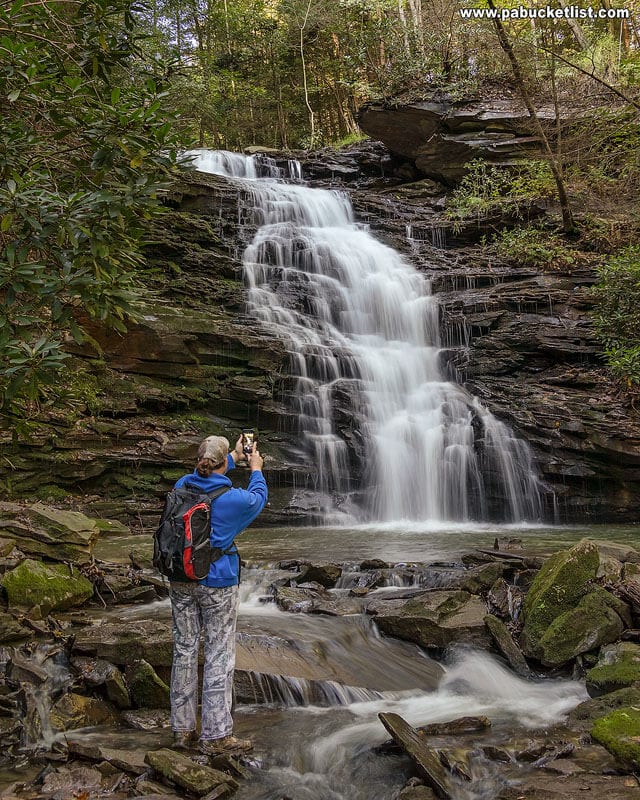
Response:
column 534, row 247
column 485, row 189
column 617, row 313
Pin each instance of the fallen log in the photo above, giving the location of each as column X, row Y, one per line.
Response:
column 454, row 727
column 425, row 758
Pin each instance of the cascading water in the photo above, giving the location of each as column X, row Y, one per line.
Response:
column 362, row 328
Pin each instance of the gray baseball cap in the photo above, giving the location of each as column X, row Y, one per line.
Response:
column 215, row 448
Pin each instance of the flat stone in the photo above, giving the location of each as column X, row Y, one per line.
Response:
column 185, row 773
column 44, row 588
column 433, row 619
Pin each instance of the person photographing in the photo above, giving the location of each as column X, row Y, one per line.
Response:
column 209, row 607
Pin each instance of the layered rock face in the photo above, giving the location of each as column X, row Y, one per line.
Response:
column 193, row 364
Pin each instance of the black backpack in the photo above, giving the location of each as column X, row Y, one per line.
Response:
column 182, row 544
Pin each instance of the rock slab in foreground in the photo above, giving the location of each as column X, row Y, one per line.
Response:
column 433, row 619
column 424, row 756
column 188, row 775
column 619, row 732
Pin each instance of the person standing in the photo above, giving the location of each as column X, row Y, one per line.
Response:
column 209, row 607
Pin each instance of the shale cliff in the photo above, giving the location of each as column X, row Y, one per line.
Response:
column 194, row 363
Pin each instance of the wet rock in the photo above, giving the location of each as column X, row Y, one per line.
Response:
column 146, row 688
column 130, row 760
column 146, row 719
column 51, row 532
column 44, row 588
column 542, row 785
column 618, row 667
column 596, row 620
column 433, row 619
column 373, row 563
column 98, row 672
column 76, row 711
column 619, row 732
column 325, row 574
column 124, row 643
column 26, row 670
column 299, row 599
column 185, row 773
column 11, row 629
column 74, row 781
column 507, row 646
column 561, row 583
column 584, row 714
column 416, row 791
column 481, row 578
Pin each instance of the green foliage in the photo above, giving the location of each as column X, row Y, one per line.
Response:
column 617, row 313
column 486, row 189
column 85, row 146
column 534, row 247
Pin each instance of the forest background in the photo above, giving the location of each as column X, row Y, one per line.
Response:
column 100, row 97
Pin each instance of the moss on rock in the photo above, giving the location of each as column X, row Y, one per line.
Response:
column 45, row 587
column 77, row 711
column 619, row 732
column 147, row 690
column 590, row 624
column 558, row 587
column 618, row 667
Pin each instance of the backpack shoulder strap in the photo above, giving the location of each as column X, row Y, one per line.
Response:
column 217, row 492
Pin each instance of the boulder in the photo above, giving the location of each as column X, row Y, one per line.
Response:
column 124, row 643
column 441, row 135
column 98, row 672
column 45, row 531
column 559, row 586
column 618, row 667
column 146, row 688
column 583, row 715
column 76, row 711
column 433, row 619
column 11, row 629
column 185, row 773
column 44, row 588
column 325, row 574
column 596, row 620
column 619, row 732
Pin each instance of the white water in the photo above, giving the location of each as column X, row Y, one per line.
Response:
column 362, row 331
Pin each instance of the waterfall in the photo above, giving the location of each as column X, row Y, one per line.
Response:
column 362, row 329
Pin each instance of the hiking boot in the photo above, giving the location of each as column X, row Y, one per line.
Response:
column 228, row 744
column 183, row 740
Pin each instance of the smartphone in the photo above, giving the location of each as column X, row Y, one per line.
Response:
column 248, row 439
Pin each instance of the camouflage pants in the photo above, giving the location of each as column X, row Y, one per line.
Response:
column 212, row 612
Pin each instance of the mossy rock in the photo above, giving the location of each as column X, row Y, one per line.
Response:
column 618, row 667
column 45, row 587
column 563, row 580
column 593, row 622
column 619, row 732
column 584, row 715
column 147, row 690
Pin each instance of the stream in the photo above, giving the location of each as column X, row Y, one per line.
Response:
column 308, row 749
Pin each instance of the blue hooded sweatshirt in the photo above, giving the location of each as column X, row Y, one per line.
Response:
column 230, row 515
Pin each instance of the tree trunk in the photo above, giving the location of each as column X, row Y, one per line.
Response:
column 567, row 217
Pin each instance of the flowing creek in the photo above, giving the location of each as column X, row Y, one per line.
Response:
column 322, row 749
